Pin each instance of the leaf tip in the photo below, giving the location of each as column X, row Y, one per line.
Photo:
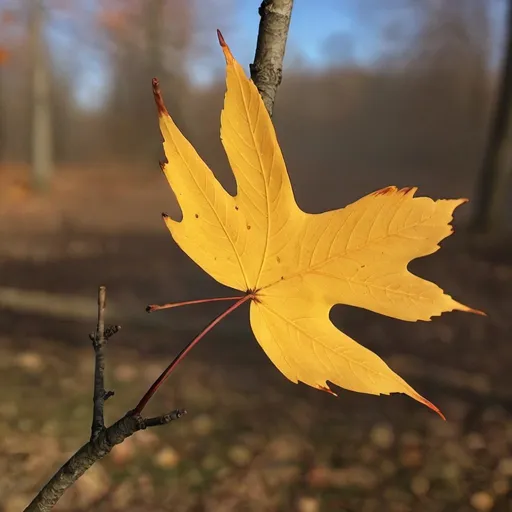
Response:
column 428, row 403
column 165, row 216
column 158, row 98
column 467, row 309
column 225, row 48
column 438, row 411
column 457, row 306
column 327, row 389
column 222, row 41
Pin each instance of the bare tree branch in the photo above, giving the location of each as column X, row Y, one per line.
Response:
column 92, row 452
column 102, row 439
column 267, row 69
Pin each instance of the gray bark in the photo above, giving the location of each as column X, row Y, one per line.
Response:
column 267, row 69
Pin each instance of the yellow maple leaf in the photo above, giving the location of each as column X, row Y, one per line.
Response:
column 295, row 266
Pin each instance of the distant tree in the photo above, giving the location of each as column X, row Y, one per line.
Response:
column 41, row 124
column 5, row 18
column 148, row 38
column 452, row 50
column 3, row 58
column 493, row 183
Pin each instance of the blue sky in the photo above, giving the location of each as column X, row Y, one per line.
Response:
column 315, row 22
column 312, row 25
column 322, row 32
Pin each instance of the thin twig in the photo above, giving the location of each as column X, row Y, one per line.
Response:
column 102, row 439
column 164, row 418
column 98, row 419
column 267, row 69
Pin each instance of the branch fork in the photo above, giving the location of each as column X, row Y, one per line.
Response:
column 103, row 438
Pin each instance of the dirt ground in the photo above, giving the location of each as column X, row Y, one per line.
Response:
column 251, row 441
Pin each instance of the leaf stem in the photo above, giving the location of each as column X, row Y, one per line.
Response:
column 163, row 376
column 156, row 307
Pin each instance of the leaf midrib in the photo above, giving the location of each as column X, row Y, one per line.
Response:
column 242, row 269
column 258, row 153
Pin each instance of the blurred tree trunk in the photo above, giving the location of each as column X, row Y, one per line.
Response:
column 155, row 16
column 492, row 188
column 2, row 112
column 168, row 35
column 3, row 57
column 154, row 35
column 42, row 140
column 478, row 91
column 150, row 38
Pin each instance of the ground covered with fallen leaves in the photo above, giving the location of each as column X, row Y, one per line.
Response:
column 251, row 441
